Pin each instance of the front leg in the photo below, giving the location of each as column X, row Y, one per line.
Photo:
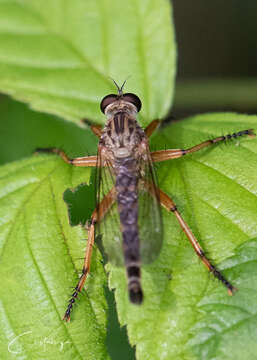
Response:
column 96, row 129
column 80, row 161
column 151, row 127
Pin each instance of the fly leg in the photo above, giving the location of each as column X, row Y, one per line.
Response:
column 151, row 127
column 96, row 129
column 168, row 154
column 79, row 161
column 169, row 205
column 97, row 216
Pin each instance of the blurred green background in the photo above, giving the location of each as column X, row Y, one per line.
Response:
column 217, row 56
column 219, row 77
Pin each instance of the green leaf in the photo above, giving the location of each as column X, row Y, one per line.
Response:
column 186, row 313
column 40, row 262
column 58, row 55
column 214, row 189
column 24, row 130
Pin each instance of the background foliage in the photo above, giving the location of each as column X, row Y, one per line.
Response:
column 50, row 60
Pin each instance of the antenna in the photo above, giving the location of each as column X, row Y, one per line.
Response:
column 119, row 89
column 120, row 92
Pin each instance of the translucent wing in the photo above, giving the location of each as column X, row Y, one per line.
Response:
column 108, row 232
column 149, row 214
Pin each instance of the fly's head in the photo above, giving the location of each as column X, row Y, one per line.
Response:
column 121, row 134
column 128, row 102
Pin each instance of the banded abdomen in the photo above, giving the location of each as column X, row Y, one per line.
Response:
column 127, row 199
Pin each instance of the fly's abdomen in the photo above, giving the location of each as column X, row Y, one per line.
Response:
column 127, row 199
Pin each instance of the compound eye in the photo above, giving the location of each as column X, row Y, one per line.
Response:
column 107, row 100
column 133, row 99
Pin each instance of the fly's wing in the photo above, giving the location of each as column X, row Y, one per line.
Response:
column 108, row 231
column 149, row 212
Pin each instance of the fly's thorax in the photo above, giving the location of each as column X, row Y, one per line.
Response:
column 122, row 134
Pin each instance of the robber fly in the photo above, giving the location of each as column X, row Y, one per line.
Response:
column 128, row 198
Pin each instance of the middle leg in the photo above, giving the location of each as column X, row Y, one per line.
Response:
column 162, row 155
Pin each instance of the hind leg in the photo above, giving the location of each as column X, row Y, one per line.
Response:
column 98, row 215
